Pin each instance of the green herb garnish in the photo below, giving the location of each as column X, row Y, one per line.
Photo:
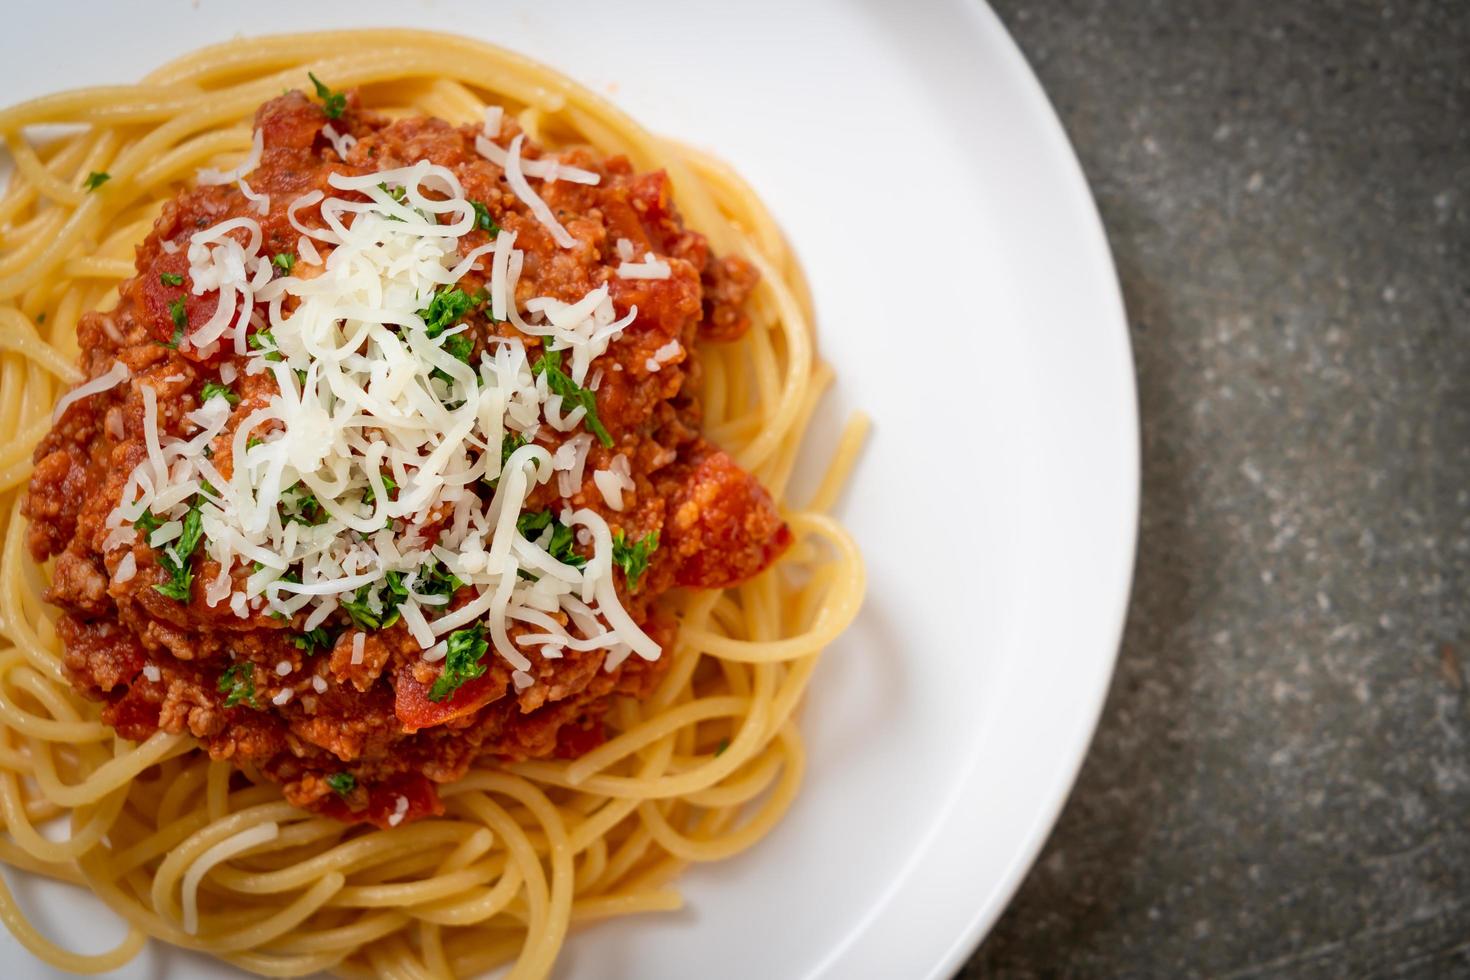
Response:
column 559, row 546
column 180, row 317
column 302, row 506
column 573, row 394
column 459, row 346
column 333, row 103
column 445, row 310
column 237, row 684
column 147, row 523
column 265, row 341
column 370, row 496
column 96, row 179
column 483, row 221
column 285, row 261
column 213, row 389
column 313, row 640
column 170, row 278
column 461, row 661
column 342, row 783
column 175, row 558
column 360, row 607
column 633, row 558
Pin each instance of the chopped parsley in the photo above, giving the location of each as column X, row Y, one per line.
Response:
column 445, row 310
column 370, row 496
column 397, row 591
column 435, row 579
column 531, row 524
column 175, row 558
column 213, row 389
column 720, row 749
column 302, row 506
column 285, row 261
column 573, row 394
column 263, row 340
column 96, row 179
column 170, row 278
column 147, row 523
column 633, row 558
column 313, row 640
column 483, row 221
column 399, row 196
column 333, row 103
column 460, row 346
column 360, row 608
column 238, row 685
column 461, row 661
column 180, row 317
column 342, row 783
column 482, row 304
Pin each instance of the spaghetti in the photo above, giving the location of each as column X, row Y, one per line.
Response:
column 181, row 847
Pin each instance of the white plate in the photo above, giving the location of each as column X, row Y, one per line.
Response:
column 966, row 297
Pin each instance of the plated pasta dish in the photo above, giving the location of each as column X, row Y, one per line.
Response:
column 399, row 566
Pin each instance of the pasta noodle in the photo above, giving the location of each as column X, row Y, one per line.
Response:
column 697, row 772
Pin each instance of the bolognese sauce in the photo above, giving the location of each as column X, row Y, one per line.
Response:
column 344, row 709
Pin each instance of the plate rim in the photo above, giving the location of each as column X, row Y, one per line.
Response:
column 989, row 910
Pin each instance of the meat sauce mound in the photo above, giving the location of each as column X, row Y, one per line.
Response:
column 156, row 663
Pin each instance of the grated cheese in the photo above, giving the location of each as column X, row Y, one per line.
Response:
column 649, row 268
column 361, row 393
column 515, row 176
column 111, row 378
column 252, row 160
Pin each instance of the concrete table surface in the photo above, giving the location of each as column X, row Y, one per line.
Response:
column 1280, row 785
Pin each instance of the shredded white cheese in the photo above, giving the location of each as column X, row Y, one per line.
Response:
column 363, row 394
column 663, row 355
column 111, row 378
column 127, row 567
column 649, row 268
column 515, row 176
column 613, row 481
column 252, row 160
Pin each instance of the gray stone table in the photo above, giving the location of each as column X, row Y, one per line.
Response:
column 1280, row 786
